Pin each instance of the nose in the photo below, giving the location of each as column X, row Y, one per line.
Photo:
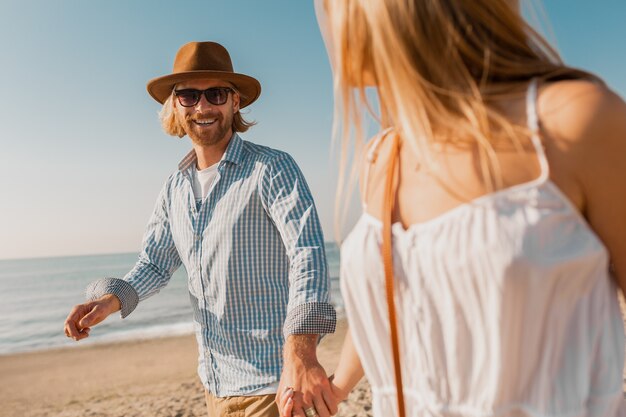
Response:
column 203, row 104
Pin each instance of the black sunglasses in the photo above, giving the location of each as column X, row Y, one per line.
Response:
column 189, row 97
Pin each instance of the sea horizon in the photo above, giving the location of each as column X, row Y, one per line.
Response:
column 38, row 294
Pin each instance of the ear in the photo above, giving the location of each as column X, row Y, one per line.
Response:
column 236, row 99
column 174, row 100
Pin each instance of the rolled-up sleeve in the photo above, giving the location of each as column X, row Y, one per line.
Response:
column 288, row 201
column 157, row 262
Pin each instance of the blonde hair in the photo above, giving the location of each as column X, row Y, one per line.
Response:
column 435, row 63
column 172, row 126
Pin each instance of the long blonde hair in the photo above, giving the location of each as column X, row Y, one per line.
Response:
column 435, row 64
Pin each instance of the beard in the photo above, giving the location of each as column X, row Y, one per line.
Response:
column 209, row 135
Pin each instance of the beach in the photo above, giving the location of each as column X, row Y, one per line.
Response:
column 153, row 377
column 144, row 365
column 150, row 377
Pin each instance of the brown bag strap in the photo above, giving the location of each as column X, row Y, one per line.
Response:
column 389, row 202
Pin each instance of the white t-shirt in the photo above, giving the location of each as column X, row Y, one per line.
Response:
column 203, row 181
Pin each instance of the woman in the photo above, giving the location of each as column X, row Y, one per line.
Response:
column 509, row 208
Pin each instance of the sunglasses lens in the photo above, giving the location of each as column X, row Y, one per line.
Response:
column 217, row 96
column 188, row 98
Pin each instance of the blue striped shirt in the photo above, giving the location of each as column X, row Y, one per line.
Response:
column 254, row 254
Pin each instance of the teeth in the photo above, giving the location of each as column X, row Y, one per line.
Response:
column 205, row 122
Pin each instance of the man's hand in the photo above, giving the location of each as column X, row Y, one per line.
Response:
column 83, row 316
column 306, row 377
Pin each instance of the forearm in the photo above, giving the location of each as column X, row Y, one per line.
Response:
column 304, row 376
column 349, row 370
column 152, row 272
column 301, row 348
column 313, row 318
column 309, row 309
column 289, row 204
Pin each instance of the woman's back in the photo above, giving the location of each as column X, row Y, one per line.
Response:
column 424, row 193
column 505, row 302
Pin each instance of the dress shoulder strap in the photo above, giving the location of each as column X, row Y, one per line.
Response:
column 372, row 155
column 532, row 118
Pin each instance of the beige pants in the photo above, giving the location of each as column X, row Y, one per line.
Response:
column 252, row 406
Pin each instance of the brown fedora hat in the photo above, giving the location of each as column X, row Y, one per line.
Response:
column 204, row 60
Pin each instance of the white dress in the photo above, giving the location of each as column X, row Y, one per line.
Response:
column 505, row 308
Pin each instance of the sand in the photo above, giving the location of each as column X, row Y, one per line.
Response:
column 154, row 377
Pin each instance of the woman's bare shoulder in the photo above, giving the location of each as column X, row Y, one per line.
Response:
column 590, row 119
column 580, row 113
column 377, row 153
column 375, row 159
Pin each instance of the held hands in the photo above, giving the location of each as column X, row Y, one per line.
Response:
column 286, row 405
column 348, row 373
column 304, row 389
column 83, row 316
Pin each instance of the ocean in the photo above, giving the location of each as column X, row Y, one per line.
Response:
column 36, row 295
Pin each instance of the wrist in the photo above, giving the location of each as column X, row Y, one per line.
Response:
column 339, row 389
column 301, row 347
column 111, row 303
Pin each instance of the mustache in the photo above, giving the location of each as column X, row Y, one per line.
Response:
column 202, row 116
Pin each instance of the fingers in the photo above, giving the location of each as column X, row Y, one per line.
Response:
column 288, row 408
column 299, row 412
column 298, row 405
column 331, row 401
column 78, row 323
column 72, row 332
column 320, row 406
column 93, row 317
column 72, row 328
column 280, row 394
column 291, row 403
column 322, row 398
column 285, row 403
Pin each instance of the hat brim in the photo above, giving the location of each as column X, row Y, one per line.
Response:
column 249, row 88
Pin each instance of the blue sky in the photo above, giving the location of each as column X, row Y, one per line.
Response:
column 82, row 154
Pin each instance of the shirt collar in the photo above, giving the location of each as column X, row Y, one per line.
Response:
column 234, row 150
column 233, row 154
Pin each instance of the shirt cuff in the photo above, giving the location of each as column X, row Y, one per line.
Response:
column 311, row 318
column 121, row 289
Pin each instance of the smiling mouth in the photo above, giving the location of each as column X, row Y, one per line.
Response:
column 204, row 122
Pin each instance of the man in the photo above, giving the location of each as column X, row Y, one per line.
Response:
column 242, row 221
